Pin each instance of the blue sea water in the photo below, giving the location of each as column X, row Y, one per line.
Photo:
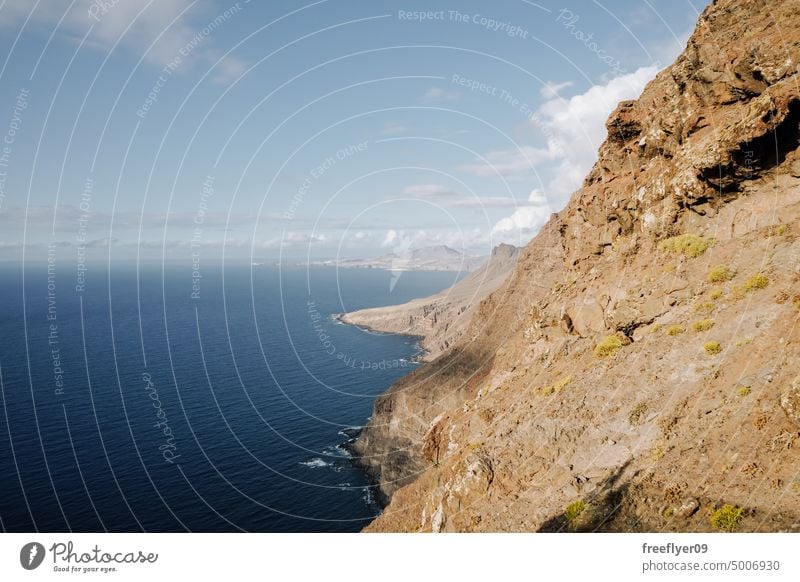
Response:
column 132, row 406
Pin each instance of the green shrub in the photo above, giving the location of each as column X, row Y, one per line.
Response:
column 703, row 325
column 777, row 230
column 689, row 245
column 742, row 391
column 720, row 274
column 556, row 386
column 608, row 346
column 675, row 329
column 716, row 294
column 573, row 510
column 756, row 282
column 727, row 518
column 705, row 306
column 712, row 348
column 563, row 383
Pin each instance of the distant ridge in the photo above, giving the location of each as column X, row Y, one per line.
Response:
column 433, row 258
column 442, row 318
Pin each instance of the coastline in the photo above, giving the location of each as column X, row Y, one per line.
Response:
column 349, row 446
column 418, row 358
column 389, row 457
column 354, row 433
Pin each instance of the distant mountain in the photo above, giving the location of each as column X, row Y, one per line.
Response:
column 434, row 258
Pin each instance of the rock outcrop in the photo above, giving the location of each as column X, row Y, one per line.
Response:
column 441, row 319
column 639, row 370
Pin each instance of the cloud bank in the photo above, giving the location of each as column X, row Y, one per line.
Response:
column 574, row 129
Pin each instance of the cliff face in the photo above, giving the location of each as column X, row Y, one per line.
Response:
column 642, row 365
column 442, row 318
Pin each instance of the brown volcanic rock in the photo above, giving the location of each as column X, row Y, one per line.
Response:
column 790, row 401
column 521, row 418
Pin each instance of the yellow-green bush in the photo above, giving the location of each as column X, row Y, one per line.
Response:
column 608, row 346
column 720, row 274
column 573, row 510
column 716, row 294
column 756, row 282
column 777, row 230
column 556, row 386
column 742, row 391
column 712, row 347
column 727, row 518
column 705, row 306
column 675, row 329
column 562, row 383
column 689, row 245
column 703, row 325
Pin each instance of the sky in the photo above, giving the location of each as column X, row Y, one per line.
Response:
column 189, row 130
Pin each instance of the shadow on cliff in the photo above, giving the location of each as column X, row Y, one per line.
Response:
column 392, row 448
column 598, row 508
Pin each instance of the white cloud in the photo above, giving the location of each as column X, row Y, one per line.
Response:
column 301, row 238
column 487, row 202
column 509, row 163
column 227, row 69
column 402, row 241
column 438, row 94
column 577, row 126
column 102, row 243
column 391, row 239
column 551, row 89
column 525, row 221
column 291, row 240
column 135, row 25
column 430, row 191
column 573, row 128
column 444, row 197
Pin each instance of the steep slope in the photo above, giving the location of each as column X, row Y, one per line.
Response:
column 442, row 318
column 641, row 369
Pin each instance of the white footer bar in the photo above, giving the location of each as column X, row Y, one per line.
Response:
column 386, row 558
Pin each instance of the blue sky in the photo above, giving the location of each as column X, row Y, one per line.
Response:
column 257, row 130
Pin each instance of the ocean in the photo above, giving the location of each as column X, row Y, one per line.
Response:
column 149, row 399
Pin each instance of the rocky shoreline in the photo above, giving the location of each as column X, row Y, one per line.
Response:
column 353, row 434
column 421, row 353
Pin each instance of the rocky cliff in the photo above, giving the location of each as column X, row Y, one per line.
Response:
column 440, row 320
column 641, row 369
